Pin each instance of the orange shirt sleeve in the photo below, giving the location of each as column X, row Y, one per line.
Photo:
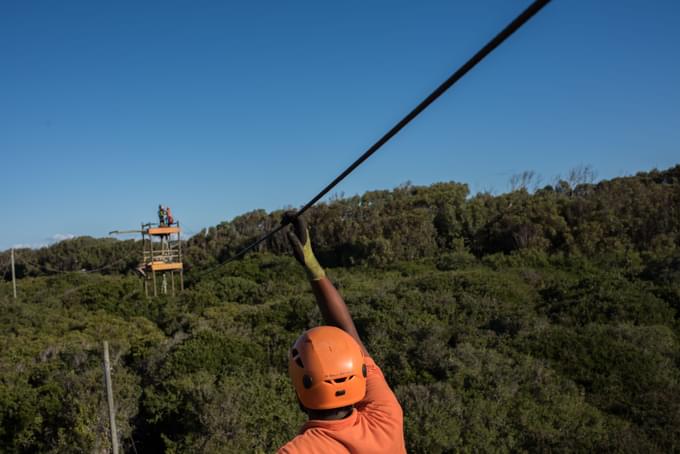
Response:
column 379, row 397
column 382, row 411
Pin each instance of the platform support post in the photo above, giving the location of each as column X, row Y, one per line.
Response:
column 14, row 277
column 109, row 398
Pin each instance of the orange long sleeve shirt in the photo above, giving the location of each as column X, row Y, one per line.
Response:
column 375, row 426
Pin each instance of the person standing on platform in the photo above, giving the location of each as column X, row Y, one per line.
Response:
column 161, row 215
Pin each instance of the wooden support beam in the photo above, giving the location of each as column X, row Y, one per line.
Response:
column 109, row 398
column 14, row 277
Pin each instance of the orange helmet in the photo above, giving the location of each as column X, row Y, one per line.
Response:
column 327, row 368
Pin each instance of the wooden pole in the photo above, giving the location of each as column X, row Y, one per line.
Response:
column 181, row 270
column 14, row 277
column 150, row 248
column 109, row 397
column 179, row 241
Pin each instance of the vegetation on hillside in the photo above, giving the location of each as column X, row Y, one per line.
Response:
column 529, row 321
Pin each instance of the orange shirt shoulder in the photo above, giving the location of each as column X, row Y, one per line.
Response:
column 375, row 426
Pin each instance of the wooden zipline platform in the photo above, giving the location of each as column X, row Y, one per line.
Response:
column 162, row 258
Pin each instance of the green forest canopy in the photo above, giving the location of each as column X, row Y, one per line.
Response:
column 544, row 320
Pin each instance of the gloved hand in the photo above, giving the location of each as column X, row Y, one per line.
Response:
column 298, row 237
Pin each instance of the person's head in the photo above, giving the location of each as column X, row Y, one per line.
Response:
column 328, row 370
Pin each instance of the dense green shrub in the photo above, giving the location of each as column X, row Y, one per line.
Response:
column 515, row 323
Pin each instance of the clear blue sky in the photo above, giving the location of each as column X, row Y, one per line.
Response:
column 217, row 108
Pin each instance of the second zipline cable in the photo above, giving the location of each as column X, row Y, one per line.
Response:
column 512, row 27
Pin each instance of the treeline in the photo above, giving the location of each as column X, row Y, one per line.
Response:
column 81, row 254
column 620, row 218
column 544, row 321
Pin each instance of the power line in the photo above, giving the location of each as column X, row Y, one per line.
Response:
column 46, row 268
column 517, row 23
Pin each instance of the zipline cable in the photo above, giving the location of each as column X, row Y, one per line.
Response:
column 517, row 23
column 45, row 268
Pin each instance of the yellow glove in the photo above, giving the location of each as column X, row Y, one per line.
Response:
column 302, row 246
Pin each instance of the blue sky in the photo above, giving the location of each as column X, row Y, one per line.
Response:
column 217, row 108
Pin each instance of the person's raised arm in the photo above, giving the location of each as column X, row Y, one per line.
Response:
column 332, row 306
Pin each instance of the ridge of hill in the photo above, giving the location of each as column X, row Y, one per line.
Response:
column 622, row 215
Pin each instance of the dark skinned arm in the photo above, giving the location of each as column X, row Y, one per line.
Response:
column 333, row 308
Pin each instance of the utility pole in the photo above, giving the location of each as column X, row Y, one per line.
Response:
column 14, row 277
column 109, row 395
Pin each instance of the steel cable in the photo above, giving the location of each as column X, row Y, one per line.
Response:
column 513, row 26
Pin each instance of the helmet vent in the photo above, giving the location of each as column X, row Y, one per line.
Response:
column 307, row 381
column 340, row 393
column 340, row 380
column 299, row 362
